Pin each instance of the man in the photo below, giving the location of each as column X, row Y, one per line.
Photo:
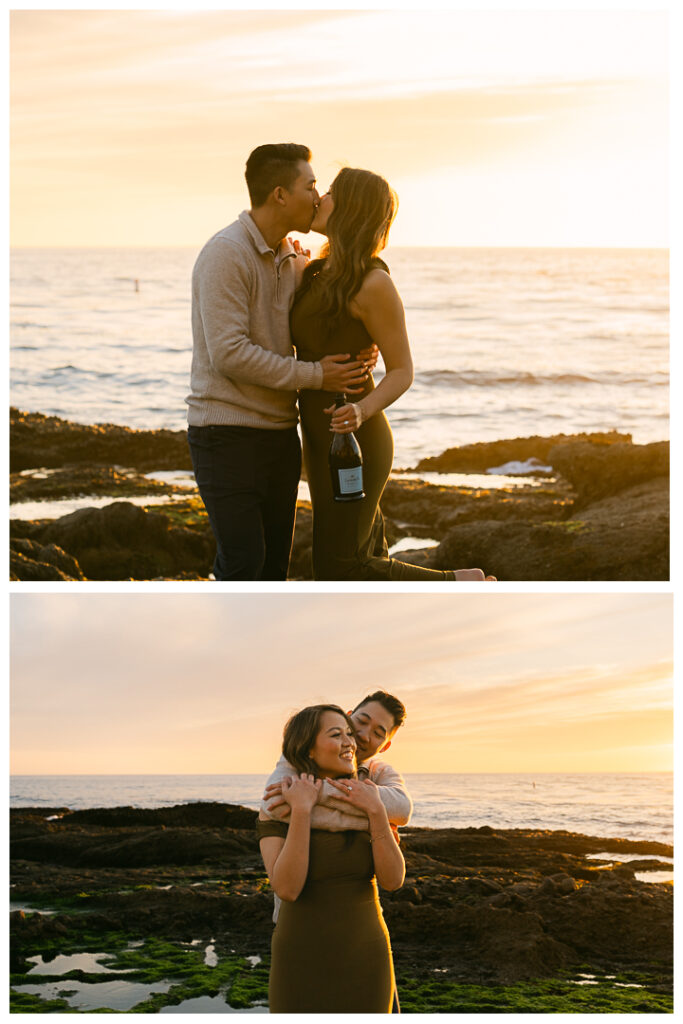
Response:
column 242, row 417
column 376, row 720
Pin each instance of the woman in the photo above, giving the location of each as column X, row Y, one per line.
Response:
column 346, row 302
column 330, row 947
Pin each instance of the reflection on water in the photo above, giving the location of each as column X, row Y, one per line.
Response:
column 480, row 481
column 89, row 963
column 120, row 995
column 411, row 544
column 112, row 995
column 64, row 506
column 27, row 909
column 624, row 858
column 592, row 979
column 209, row 1004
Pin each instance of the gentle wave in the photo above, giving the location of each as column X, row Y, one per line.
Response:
column 506, row 343
column 474, row 378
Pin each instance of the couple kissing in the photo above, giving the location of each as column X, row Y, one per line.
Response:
column 275, row 337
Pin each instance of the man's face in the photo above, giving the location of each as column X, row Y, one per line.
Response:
column 302, row 199
column 374, row 727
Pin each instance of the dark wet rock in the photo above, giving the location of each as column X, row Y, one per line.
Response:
column 507, row 945
column 605, row 518
column 620, row 538
column 598, row 471
column 614, row 916
column 503, row 905
column 85, row 480
column 123, row 541
column 562, row 884
column 207, row 814
column 419, row 509
column 38, row 440
column 32, row 561
column 142, row 848
column 136, row 837
column 477, row 458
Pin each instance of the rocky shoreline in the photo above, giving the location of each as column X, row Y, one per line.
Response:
column 487, row 918
column 603, row 514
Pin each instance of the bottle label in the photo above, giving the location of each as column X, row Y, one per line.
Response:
column 351, row 480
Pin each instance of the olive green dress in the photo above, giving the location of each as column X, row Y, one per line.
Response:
column 330, row 947
column 348, row 537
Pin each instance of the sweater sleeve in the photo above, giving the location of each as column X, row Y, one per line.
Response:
column 329, row 813
column 222, row 290
column 282, row 770
column 334, row 815
column 392, row 791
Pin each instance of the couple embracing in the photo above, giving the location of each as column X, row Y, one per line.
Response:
column 255, row 298
column 328, row 835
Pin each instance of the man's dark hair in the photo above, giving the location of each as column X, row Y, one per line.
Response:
column 272, row 165
column 390, row 703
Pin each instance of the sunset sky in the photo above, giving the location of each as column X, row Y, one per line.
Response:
column 198, row 683
column 495, row 127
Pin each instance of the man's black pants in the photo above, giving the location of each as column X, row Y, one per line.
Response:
column 248, row 480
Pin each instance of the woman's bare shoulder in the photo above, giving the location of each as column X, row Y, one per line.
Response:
column 377, row 287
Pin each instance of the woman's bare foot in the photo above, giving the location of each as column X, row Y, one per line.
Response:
column 472, row 576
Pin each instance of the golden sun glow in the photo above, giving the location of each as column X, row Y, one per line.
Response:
column 495, row 127
column 204, row 683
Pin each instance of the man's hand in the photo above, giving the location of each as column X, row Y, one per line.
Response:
column 272, row 798
column 341, row 375
column 369, row 356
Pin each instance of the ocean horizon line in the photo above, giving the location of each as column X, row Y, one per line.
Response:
column 164, row 775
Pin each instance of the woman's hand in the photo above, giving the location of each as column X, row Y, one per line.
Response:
column 346, row 419
column 301, row 793
column 362, row 794
column 298, row 248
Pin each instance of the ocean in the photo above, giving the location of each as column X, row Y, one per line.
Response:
column 506, row 342
column 623, row 805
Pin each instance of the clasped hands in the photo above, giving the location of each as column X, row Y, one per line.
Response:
column 296, row 790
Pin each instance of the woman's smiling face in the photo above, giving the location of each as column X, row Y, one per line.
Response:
column 334, row 750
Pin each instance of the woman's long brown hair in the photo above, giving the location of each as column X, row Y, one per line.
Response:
column 300, row 735
column 358, row 228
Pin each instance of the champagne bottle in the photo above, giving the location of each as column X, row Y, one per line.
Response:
column 346, row 463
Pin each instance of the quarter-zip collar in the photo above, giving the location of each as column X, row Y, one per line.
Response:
column 285, row 249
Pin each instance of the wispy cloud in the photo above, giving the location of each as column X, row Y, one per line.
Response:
column 117, row 111
column 208, row 680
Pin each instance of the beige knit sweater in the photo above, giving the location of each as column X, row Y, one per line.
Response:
column 243, row 368
column 333, row 814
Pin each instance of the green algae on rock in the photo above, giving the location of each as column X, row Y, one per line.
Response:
column 511, row 917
